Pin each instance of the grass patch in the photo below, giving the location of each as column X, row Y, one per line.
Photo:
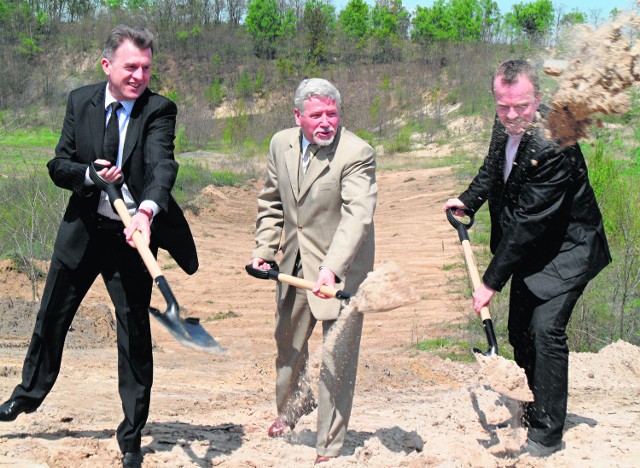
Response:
column 222, row 316
column 447, row 348
column 37, row 137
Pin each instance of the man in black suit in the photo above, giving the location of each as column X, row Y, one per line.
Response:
column 546, row 235
column 92, row 240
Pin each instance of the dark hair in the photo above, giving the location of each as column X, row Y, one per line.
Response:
column 510, row 70
column 142, row 38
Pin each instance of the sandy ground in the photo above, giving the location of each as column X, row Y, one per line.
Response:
column 411, row 408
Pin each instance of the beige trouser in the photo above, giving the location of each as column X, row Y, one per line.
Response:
column 294, row 396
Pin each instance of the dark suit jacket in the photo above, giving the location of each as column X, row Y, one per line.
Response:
column 148, row 166
column 546, row 226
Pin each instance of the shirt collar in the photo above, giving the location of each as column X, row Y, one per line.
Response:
column 127, row 105
column 304, row 143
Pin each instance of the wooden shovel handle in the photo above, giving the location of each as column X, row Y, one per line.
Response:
column 473, row 274
column 306, row 284
column 142, row 247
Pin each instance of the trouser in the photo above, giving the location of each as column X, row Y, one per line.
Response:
column 294, row 396
column 537, row 332
column 129, row 285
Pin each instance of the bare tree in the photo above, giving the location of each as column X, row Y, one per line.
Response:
column 235, row 10
column 32, row 209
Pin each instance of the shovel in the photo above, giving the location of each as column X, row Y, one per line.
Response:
column 463, row 234
column 294, row 281
column 188, row 332
column 383, row 289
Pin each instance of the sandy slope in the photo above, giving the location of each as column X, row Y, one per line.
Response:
column 411, row 408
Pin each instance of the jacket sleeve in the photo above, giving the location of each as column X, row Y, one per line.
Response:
column 270, row 220
column 543, row 204
column 160, row 166
column 66, row 169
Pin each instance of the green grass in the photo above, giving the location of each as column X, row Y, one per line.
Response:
column 446, row 348
column 38, row 137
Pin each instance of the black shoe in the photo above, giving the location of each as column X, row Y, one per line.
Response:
column 10, row 409
column 132, row 460
column 536, row 449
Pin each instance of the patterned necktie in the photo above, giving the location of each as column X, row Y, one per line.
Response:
column 112, row 136
column 312, row 149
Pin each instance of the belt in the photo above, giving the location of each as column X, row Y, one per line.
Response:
column 108, row 224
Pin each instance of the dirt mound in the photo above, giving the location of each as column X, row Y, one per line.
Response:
column 92, row 327
column 614, row 367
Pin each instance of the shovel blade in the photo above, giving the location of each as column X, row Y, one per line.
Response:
column 188, row 332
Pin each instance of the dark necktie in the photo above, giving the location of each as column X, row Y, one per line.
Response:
column 112, row 136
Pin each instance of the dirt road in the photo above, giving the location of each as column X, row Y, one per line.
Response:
column 411, row 408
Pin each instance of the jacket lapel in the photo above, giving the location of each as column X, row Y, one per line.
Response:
column 292, row 161
column 133, row 128
column 97, row 120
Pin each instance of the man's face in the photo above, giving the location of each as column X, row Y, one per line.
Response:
column 319, row 120
column 516, row 104
column 128, row 71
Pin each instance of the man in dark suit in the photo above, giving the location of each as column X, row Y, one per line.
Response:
column 92, row 240
column 546, row 235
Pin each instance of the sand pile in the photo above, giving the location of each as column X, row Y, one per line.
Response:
column 504, row 376
column 601, row 65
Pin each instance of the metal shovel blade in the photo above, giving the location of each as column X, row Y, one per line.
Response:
column 188, row 332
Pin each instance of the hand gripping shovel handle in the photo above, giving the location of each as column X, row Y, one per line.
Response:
column 294, row 281
column 485, row 315
column 115, row 197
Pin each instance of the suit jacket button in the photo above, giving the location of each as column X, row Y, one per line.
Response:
column 299, row 228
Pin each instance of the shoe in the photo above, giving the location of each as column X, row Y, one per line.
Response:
column 322, row 459
column 536, row 449
column 132, row 460
column 10, row 409
column 278, row 428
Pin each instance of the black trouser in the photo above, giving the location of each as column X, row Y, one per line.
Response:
column 537, row 332
column 129, row 286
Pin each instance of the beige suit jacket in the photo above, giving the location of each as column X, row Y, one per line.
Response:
column 328, row 219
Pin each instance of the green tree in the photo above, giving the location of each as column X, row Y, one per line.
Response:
column 390, row 27
column 432, row 24
column 215, row 94
column 319, row 25
column 534, row 20
column 355, row 21
column 267, row 26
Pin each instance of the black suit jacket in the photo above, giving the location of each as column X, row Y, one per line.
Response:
column 148, row 167
column 546, row 225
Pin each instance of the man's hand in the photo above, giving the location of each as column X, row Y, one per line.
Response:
column 260, row 264
column 481, row 297
column 325, row 278
column 457, row 206
column 139, row 222
column 108, row 173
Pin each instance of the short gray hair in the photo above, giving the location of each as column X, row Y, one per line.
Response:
column 142, row 38
column 315, row 87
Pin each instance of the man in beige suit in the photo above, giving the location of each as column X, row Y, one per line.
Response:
column 321, row 190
